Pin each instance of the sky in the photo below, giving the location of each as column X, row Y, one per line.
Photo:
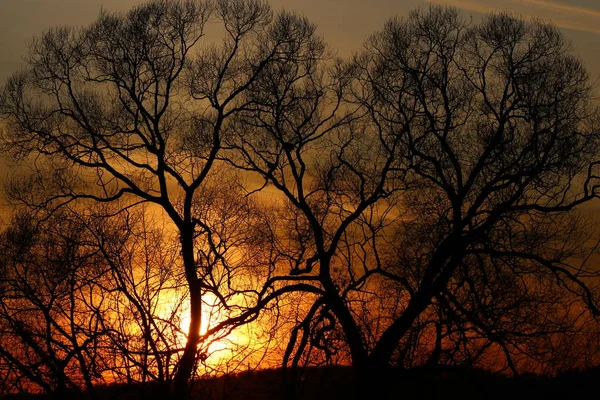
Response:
column 344, row 24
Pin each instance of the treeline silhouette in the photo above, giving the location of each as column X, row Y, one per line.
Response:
column 204, row 187
column 334, row 382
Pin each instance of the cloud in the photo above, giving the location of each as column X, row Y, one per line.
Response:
column 468, row 5
column 562, row 7
column 560, row 14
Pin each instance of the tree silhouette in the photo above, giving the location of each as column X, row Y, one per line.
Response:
column 426, row 191
column 96, row 295
column 477, row 140
column 50, row 335
column 499, row 134
column 122, row 111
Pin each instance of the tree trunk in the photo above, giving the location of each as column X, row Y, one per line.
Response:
column 352, row 333
column 186, row 364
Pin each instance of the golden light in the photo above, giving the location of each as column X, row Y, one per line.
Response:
column 216, row 351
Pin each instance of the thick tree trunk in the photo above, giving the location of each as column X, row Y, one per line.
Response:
column 352, row 333
column 188, row 359
column 358, row 352
column 349, row 326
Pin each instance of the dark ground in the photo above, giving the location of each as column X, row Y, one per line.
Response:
column 336, row 383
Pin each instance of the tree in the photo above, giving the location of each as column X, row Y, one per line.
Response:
column 427, row 188
column 51, row 336
column 500, row 137
column 132, row 109
column 496, row 313
column 96, row 295
column 476, row 141
column 136, row 291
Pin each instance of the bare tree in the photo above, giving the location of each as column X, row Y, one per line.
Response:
column 87, row 300
column 496, row 311
column 50, row 338
column 500, row 139
column 139, row 291
column 480, row 139
column 132, row 109
column 108, row 284
column 426, row 189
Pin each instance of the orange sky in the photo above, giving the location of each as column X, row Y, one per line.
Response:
column 343, row 23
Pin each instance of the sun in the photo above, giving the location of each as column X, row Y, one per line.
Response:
column 216, row 351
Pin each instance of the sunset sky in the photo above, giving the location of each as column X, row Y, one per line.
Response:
column 343, row 23
column 420, row 205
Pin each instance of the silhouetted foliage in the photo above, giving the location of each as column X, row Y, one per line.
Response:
column 414, row 206
column 130, row 109
column 464, row 149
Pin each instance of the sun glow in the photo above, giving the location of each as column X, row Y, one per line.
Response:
column 214, row 351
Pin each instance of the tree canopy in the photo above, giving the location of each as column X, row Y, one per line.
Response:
column 416, row 203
